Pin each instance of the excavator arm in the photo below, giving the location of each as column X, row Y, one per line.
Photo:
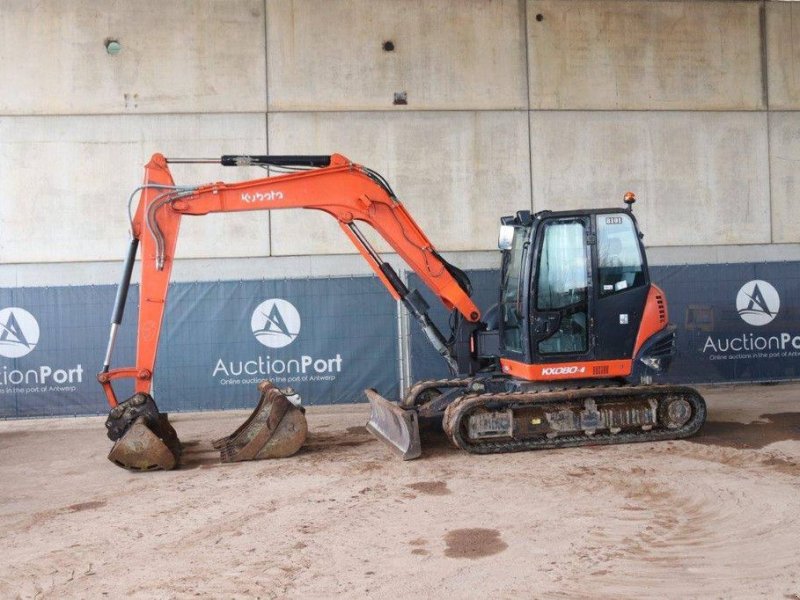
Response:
column 350, row 193
column 346, row 191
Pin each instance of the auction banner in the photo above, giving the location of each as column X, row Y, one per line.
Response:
column 329, row 339
column 332, row 338
column 736, row 322
column 51, row 346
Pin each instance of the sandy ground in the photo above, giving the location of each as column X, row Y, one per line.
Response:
column 715, row 517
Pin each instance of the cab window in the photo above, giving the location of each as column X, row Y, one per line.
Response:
column 562, row 286
column 619, row 256
column 512, row 292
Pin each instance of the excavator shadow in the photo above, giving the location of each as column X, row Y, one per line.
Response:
column 199, row 454
column 202, row 454
column 434, row 442
column 325, row 441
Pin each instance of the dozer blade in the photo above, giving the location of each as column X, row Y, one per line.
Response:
column 276, row 429
column 394, row 426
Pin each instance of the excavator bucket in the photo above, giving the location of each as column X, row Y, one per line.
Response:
column 396, row 427
column 143, row 438
column 275, row 429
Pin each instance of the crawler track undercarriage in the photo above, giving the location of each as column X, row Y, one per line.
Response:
column 483, row 421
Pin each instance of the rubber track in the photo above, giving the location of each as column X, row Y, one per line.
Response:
column 410, row 399
column 459, row 410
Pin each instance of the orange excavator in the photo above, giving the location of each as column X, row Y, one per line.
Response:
column 567, row 357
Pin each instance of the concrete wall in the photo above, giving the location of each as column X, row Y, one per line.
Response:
column 694, row 105
column 448, row 55
column 452, row 169
column 67, row 179
column 179, row 56
column 641, row 55
column 702, row 177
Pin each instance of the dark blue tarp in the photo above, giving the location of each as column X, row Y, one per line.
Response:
column 425, row 361
column 715, row 342
column 736, row 322
column 52, row 342
column 53, row 339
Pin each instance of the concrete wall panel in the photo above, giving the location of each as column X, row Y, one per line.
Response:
column 617, row 54
column 783, row 55
column 455, row 54
column 66, row 181
column 456, row 172
column 784, row 130
column 179, row 56
column 701, row 178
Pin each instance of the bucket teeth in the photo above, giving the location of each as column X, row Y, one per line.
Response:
column 396, row 427
column 220, row 443
column 275, row 429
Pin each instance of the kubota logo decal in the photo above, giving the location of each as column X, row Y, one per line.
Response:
column 19, row 332
column 758, row 302
column 262, row 196
column 275, row 323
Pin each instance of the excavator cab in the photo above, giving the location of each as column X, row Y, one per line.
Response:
column 577, row 301
column 574, row 288
column 567, row 356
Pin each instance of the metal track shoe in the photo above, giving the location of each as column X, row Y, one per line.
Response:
column 396, row 427
column 143, row 438
column 275, row 429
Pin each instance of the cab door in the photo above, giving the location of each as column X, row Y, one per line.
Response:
column 622, row 285
column 561, row 328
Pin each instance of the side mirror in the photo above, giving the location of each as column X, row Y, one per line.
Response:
column 506, row 238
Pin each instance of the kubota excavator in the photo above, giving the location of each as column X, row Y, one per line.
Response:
column 567, row 357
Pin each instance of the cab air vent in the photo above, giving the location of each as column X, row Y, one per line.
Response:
column 662, row 309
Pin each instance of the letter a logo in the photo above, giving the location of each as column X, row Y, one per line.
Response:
column 19, row 332
column 758, row 302
column 275, row 323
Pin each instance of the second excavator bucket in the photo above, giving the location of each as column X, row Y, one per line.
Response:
column 396, row 427
column 143, row 438
column 275, row 429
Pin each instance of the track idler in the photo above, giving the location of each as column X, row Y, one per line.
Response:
column 275, row 429
column 143, row 438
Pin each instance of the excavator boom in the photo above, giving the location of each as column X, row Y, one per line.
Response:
column 350, row 193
